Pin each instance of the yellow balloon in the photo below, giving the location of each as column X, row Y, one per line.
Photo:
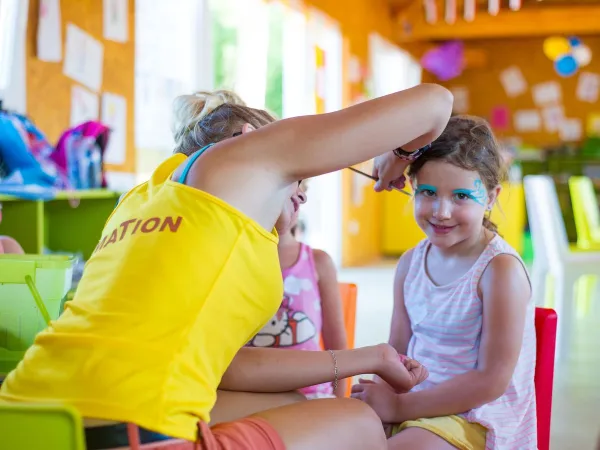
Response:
column 555, row 47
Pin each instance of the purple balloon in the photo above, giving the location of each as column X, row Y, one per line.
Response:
column 445, row 61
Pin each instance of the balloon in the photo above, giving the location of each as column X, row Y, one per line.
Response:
column 555, row 47
column 566, row 66
column 583, row 55
column 445, row 61
column 574, row 41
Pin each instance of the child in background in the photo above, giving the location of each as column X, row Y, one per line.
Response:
column 463, row 308
column 311, row 306
column 8, row 244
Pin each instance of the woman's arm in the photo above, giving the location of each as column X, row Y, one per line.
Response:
column 400, row 330
column 505, row 291
column 251, row 172
column 333, row 331
column 279, row 370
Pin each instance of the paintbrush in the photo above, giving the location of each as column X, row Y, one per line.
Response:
column 376, row 179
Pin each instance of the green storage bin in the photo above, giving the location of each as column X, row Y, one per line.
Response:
column 32, row 289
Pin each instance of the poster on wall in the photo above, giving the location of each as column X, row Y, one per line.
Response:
column 570, row 130
column 588, row 87
column 115, row 20
column 513, row 81
column 114, row 116
column 83, row 58
column 461, row 99
column 84, row 105
column 527, row 121
column 49, row 32
column 548, row 93
column 553, row 117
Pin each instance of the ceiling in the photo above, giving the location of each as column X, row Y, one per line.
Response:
column 396, row 5
column 535, row 18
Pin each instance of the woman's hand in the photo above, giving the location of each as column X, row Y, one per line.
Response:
column 398, row 371
column 389, row 169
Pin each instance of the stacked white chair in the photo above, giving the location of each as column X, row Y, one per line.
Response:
column 553, row 255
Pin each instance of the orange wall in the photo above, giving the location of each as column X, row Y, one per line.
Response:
column 361, row 232
column 486, row 92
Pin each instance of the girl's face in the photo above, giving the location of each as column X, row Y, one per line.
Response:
column 450, row 203
column 289, row 213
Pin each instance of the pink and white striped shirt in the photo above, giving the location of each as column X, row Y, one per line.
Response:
column 446, row 323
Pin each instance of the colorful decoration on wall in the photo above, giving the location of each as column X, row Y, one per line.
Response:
column 446, row 61
column 320, row 80
column 568, row 54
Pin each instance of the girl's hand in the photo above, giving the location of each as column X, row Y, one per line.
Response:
column 384, row 401
column 389, row 169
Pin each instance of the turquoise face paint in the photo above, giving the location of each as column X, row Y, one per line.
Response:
column 478, row 194
column 426, row 187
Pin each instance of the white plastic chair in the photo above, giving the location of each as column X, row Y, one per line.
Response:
column 553, row 255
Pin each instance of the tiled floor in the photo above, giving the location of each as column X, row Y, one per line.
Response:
column 576, row 406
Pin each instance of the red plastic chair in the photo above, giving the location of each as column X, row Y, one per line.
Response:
column 545, row 330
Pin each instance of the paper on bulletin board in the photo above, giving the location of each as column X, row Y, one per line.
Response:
column 527, row 121
column 553, row 117
column 114, row 116
column 588, row 87
column 116, row 20
column 548, row 93
column 84, row 105
column 593, row 125
column 513, row 81
column 570, row 130
column 83, row 58
column 500, row 117
column 49, row 32
column 461, row 99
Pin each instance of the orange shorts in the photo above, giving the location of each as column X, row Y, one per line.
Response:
column 251, row 433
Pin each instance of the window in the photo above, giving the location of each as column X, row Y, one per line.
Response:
column 392, row 68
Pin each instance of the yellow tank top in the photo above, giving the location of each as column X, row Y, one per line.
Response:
column 178, row 283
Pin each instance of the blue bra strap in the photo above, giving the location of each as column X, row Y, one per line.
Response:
column 190, row 161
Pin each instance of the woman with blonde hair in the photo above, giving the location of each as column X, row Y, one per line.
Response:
column 186, row 272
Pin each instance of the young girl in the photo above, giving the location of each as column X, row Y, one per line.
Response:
column 463, row 308
column 311, row 306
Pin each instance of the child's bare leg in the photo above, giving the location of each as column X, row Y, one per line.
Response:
column 418, row 439
column 232, row 405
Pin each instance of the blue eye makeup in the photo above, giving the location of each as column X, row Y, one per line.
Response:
column 426, row 189
column 478, row 194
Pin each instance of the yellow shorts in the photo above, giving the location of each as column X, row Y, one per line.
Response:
column 453, row 429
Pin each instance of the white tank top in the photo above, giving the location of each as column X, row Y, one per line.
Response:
column 446, row 326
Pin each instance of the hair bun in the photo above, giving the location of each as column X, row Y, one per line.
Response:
column 188, row 110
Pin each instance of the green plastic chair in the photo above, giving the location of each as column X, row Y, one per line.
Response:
column 40, row 427
column 585, row 211
column 587, row 224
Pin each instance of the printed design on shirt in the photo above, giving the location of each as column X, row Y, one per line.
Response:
column 132, row 226
column 286, row 329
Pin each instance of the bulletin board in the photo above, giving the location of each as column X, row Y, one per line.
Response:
column 49, row 90
column 486, row 93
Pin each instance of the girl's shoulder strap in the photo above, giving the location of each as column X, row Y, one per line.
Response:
column 417, row 259
column 497, row 246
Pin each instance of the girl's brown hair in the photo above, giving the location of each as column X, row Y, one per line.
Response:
column 209, row 117
column 467, row 142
